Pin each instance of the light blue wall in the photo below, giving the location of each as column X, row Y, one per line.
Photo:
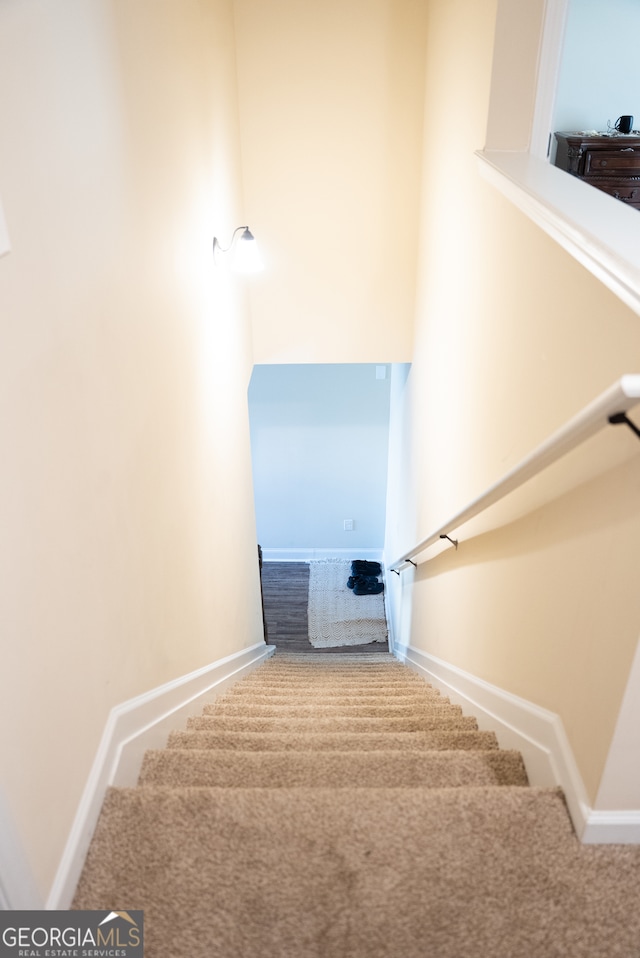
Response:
column 319, row 440
column 600, row 73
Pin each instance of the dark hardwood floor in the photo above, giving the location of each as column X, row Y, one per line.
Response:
column 285, row 589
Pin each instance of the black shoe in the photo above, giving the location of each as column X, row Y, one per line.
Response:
column 363, row 567
column 354, row 580
column 370, row 587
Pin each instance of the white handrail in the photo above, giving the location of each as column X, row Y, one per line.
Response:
column 622, row 396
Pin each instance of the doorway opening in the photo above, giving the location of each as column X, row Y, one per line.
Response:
column 319, row 446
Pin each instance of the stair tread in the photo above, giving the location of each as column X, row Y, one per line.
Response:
column 333, row 685
column 382, row 673
column 335, row 769
column 339, row 723
column 379, row 670
column 384, row 872
column 337, row 697
column 436, row 738
column 373, row 710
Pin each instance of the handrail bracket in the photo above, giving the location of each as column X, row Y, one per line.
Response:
column 619, row 418
column 410, row 561
column 452, row 541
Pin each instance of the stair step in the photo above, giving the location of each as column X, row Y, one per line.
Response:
column 320, row 665
column 326, row 662
column 374, row 710
column 385, row 872
column 336, row 688
column 334, row 741
column 328, row 659
column 383, row 677
column 336, row 679
column 240, row 723
column 382, row 769
column 320, row 696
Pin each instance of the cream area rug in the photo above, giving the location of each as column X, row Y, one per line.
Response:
column 337, row 617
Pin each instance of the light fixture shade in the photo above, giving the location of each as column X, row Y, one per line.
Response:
column 246, row 255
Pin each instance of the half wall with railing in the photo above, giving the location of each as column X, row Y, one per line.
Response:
column 610, row 408
column 537, row 732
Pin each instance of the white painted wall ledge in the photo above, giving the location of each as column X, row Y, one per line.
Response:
column 133, row 727
column 540, row 737
column 599, row 231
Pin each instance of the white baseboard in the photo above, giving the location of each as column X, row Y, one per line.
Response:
column 306, row 555
column 132, row 728
column 612, row 827
column 388, row 610
column 535, row 732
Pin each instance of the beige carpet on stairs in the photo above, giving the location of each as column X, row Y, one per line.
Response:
column 339, row 807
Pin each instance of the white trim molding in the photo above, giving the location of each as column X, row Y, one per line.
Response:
column 537, row 734
column 388, row 609
column 310, row 553
column 133, row 727
column 612, row 827
column 620, row 782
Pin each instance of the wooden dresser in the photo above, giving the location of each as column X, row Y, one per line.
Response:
column 610, row 163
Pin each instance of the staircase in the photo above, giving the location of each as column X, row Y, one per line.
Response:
column 339, row 806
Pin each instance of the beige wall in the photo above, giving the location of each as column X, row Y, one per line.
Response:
column 125, row 490
column 513, row 337
column 331, row 100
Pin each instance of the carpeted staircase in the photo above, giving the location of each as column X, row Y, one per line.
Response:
column 338, row 806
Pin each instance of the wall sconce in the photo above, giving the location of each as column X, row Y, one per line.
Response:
column 245, row 255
